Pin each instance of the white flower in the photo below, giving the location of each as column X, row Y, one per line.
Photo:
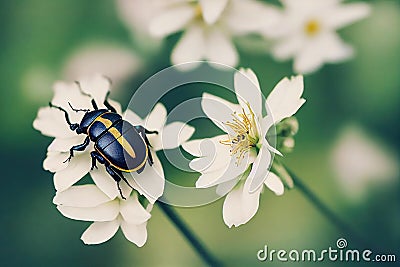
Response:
column 209, row 26
column 51, row 122
column 361, row 163
column 243, row 153
column 89, row 203
column 307, row 29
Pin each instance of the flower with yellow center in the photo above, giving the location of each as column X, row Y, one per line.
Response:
column 306, row 32
column 208, row 26
column 238, row 161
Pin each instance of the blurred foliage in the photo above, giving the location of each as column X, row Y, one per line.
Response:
column 36, row 39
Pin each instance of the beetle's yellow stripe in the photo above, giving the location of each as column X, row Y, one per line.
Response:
column 124, row 143
column 106, row 122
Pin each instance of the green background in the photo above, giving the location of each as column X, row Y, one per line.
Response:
column 39, row 35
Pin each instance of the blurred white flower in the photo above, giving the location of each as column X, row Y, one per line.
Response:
column 307, row 29
column 238, row 162
column 209, row 26
column 361, row 163
column 89, row 203
column 116, row 62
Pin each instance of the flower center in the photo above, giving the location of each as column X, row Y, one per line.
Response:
column 246, row 135
column 312, row 27
column 198, row 12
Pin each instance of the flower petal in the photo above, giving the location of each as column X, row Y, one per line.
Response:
column 190, row 47
column 260, row 169
column 248, row 90
column 243, row 17
column 171, row 20
column 137, row 234
column 219, row 110
column 274, row 183
column 156, row 119
column 132, row 117
column 100, row 232
column 226, row 187
column 219, row 48
column 104, row 212
column 97, row 86
column 133, row 212
column 54, row 161
column 285, row 99
column 172, row 136
column 64, row 144
column 288, row 47
column 344, row 15
column 240, row 205
column 51, row 122
column 76, row 169
column 81, row 196
column 107, row 184
column 150, row 182
column 212, row 9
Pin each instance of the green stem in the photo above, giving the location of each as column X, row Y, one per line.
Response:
column 328, row 213
column 201, row 250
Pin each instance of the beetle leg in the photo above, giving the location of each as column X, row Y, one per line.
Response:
column 94, row 104
column 143, row 131
column 96, row 156
column 108, row 105
column 72, row 126
column 116, row 178
column 80, row 147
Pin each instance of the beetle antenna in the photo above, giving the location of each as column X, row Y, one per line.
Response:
column 80, row 89
column 78, row 110
column 72, row 126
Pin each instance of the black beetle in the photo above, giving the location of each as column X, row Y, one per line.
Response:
column 119, row 145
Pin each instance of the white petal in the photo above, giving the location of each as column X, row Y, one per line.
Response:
column 212, row 9
column 156, row 119
column 220, row 49
column 133, row 212
column 107, row 184
column 81, row 196
column 260, row 169
column 308, row 59
column 248, row 90
column 171, row 20
column 193, row 147
column 133, row 118
column 150, row 182
column 240, row 206
column 219, row 110
column 97, row 86
column 285, row 99
column 213, row 155
column 336, row 49
column 137, row 234
column 54, row 161
column 274, row 183
column 64, row 144
column 100, row 232
column 287, row 47
column 51, row 122
column 70, row 93
column 172, row 136
column 104, row 212
column 76, row 169
column 344, row 15
column 224, row 188
column 190, row 47
column 244, row 17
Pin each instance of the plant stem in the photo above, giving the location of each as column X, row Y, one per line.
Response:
column 201, row 250
column 328, row 213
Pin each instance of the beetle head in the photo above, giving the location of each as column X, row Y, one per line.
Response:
column 87, row 120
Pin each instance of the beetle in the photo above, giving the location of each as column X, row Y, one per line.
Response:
column 118, row 145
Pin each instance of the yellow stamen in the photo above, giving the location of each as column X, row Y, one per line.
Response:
column 246, row 135
column 312, row 27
